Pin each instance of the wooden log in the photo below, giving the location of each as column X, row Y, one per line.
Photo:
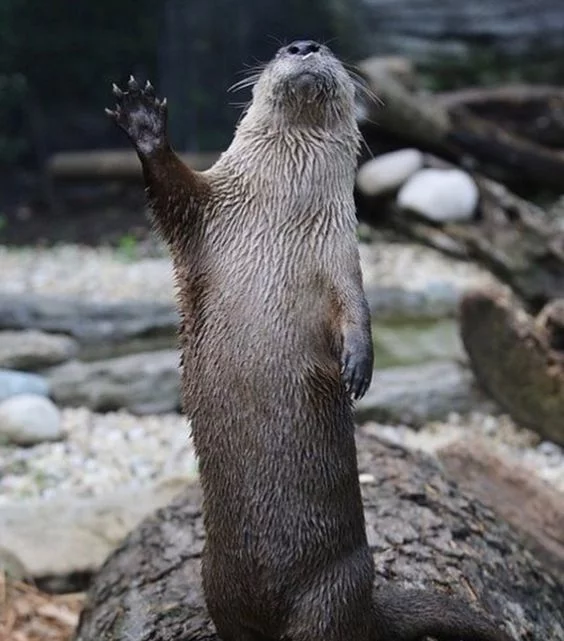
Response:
column 460, row 136
column 513, row 361
column 535, row 112
column 531, row 506
column 112, row 164
column 422, row 530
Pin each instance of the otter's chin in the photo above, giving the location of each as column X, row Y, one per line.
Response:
column 305, row 81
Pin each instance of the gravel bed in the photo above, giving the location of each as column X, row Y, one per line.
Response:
column 105, row 451
column 105, row 274
column 543, row 458
column 100, row 452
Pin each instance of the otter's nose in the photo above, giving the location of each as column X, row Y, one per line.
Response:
column 303, row 47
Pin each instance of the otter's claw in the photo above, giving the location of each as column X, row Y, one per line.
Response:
column 356, row 366
column 141, row 115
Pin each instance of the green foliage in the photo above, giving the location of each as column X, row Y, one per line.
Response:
column 127, row 247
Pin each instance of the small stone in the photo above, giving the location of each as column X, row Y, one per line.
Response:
column 13, row 383
column 27, row 420
column 440, row 195
column 388, row 172
column 33, row 350
column 12, row 566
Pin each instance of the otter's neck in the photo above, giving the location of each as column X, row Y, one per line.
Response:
column 272, row 142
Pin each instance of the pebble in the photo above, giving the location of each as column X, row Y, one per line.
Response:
column 100, row 453
column 32, row 350
column 388, row 172
column 13, row 383
column 441, row 195
column 28, row 419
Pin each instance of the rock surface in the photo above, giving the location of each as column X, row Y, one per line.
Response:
column 421, row 393
column 104, row 328
column 68, row 535
column 145, row 383
column 441, row 195
column 12, row 567
column 27, row 419
column 388, row 172
column 13, row 383
column 32, row 350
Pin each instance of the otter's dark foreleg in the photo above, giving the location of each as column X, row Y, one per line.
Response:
column 413, row 615
column 172, row 188
column 357, row 356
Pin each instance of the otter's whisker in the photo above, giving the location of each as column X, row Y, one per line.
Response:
column 249, row 81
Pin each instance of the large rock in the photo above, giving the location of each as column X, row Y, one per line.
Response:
column 13, row 383
column 74, row 535
column 102, row 329
column 441, row 195
column 27, row 420
column 146, row 383
column 32, row 350
column 388, row 172
column 421, row 393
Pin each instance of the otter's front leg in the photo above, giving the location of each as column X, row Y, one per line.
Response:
column 357, row 354
column 357, row 358
column 172, row 188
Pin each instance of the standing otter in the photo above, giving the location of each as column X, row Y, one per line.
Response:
column 275, row 339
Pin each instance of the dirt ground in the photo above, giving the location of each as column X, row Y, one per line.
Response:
column 27, row 614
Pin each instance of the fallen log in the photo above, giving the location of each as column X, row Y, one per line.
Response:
column 422, row 530
column 110, row 164
column 535, row 112
column 459, row 136
column 514, row 361
column 531, row 506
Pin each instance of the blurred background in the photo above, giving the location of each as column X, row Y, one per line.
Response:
column 460, row 188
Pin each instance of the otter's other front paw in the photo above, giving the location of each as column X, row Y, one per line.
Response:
column 141, row 115
column 356, row 365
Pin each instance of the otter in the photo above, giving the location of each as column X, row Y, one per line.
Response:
column 276, row 345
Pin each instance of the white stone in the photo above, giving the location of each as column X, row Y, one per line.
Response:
column 28, row 419
column 440, row 195
column 388, row 172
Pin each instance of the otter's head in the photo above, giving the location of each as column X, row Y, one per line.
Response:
column 304, row 83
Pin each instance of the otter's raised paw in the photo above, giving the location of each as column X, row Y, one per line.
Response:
column 356, row 366
column 141, row 115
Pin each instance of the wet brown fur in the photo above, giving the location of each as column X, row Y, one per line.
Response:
column 272, row 307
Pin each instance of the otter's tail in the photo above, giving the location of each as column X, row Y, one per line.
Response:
column 412, row 615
